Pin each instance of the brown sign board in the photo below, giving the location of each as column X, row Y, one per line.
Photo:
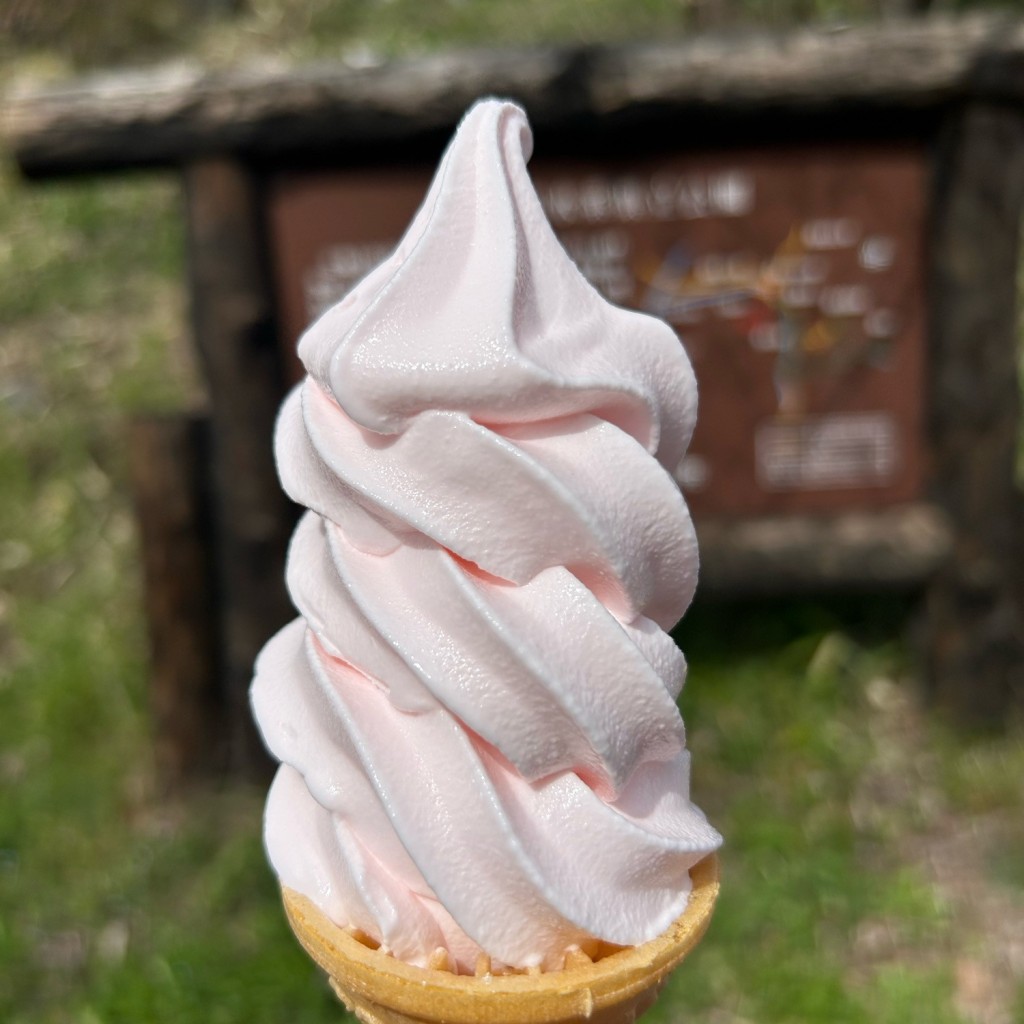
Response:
column 794, row 279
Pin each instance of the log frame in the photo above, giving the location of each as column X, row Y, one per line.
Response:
column 869, row 76
column 957, row 84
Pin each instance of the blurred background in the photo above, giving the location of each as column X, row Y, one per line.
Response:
column 874, row 859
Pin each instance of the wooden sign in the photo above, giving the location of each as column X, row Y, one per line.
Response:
column 794, row 279
column 832, row 452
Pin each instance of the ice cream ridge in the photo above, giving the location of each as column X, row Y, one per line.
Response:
column 475, row 711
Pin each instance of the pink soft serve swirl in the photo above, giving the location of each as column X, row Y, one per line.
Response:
column 475, row 712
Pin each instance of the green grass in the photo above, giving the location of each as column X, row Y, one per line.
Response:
column 780, row 749
column 81, row 34
column 810, row 753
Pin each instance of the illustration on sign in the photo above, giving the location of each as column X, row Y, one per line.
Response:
column 817, row 329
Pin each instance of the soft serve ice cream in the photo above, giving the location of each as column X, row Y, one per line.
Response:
column 475, row 711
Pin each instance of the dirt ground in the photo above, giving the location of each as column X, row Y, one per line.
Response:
column 973, row 858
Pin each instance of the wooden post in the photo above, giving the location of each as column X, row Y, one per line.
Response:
column 168, row 457
column 232, row 309
column 975, row 612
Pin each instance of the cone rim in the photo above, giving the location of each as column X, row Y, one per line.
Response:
column 386, row 981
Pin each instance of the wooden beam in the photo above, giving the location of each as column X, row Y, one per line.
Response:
column 236, row 337
column 867, row 550
column 176, row 114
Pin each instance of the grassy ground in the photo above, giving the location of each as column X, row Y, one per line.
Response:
column 873, row 867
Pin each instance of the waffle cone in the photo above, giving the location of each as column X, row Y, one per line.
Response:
column 615, row 989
